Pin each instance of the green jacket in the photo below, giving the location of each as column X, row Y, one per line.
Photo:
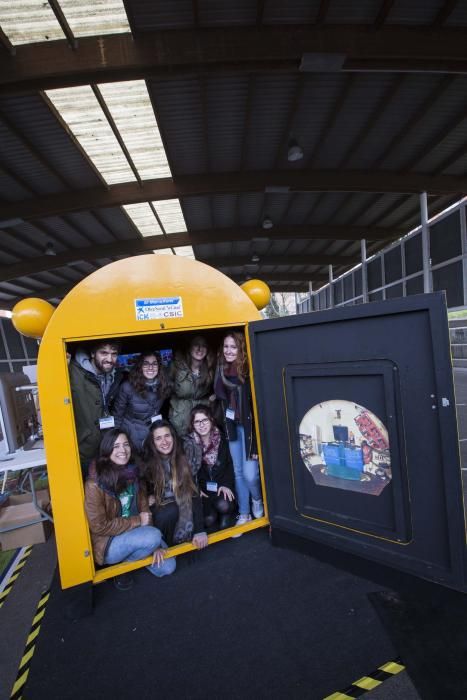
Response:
column 88, row 407
column 187, row 392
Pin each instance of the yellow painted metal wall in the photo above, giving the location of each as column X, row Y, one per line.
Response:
column 102, row 306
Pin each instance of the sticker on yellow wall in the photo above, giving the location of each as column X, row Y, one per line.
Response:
column 159, row 307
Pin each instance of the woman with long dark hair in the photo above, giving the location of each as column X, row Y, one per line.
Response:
column 174, row 498
column 232, row 388
column 141, row 397
column 118, row 512
column 191, row 374
column 208, row 452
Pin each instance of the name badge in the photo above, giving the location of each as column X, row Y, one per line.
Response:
column 154, row 418
column 211, row 486
column 106, row 422
column 230, row 414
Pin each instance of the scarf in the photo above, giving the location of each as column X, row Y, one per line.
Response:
column 229, row 385
column 210, row 450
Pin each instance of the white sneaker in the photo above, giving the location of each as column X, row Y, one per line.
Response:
column 257, row 508
column 241, row 520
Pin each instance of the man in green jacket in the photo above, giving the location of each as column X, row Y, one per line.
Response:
column 95, row 381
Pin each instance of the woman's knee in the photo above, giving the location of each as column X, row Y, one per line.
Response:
column 251, row 472
column 149, row 537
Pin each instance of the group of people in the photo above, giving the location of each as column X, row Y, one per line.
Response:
column 168, row 454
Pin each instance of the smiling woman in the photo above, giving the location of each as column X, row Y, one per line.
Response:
column 118, row 513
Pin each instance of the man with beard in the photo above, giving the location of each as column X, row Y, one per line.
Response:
column 94, row 381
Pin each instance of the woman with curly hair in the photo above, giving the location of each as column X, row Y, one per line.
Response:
column 141, row 397
column 232, row 388
column 118, row 512
column 191, row 374
column 173, row 495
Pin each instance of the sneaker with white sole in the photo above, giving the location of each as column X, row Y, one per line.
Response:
column 257, row 508
column 242, row 520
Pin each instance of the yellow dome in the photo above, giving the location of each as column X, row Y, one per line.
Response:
column 31, row 316
column 258, row 291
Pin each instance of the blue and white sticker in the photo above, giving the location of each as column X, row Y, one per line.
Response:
column 159, row 307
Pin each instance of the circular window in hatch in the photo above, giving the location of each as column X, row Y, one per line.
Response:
column 345, row 446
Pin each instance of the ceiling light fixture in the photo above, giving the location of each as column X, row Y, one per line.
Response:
column 267, row 223
column 255, row 258
column 294, row 152
column 49, row 249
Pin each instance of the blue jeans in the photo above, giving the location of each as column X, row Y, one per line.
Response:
column 246, row 471
column 139, row 544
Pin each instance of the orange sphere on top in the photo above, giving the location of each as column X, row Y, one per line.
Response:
column 258, row 291
column 31, row 316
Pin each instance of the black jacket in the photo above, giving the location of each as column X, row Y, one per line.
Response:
column 220, row 390
column 133, row 411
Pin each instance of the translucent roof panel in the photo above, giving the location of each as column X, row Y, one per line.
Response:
column 28, row 21
column 80, row 109
column 186, row 251
column 164, row 251
column 170, row 213
column 143, row 218
column 95, row 17
column 132, row 111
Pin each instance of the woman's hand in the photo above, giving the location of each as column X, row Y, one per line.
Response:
column 151, row 500
column 158, row 557
column 200, row 541
column 202, row 494
column 146, row 518
column 254, row 457
column 226, row 492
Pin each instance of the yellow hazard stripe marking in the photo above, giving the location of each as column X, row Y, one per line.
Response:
column 14, row 575
column 367, row 683
column 392, row 667
column 27, row 657
column 32, row 636
column 23, row 670
column 20, row 682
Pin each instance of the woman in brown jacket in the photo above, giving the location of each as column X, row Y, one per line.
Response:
column 118, row 513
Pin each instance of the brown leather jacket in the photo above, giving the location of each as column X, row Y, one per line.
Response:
column 104, row 516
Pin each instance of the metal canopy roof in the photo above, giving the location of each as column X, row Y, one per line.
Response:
column 130, row 127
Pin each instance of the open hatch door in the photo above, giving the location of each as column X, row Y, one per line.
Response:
column 358, row 430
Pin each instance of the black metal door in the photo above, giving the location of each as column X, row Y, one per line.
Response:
column 358, row 430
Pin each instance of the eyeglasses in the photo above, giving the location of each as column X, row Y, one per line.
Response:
column 150, row 365
column 201, row 423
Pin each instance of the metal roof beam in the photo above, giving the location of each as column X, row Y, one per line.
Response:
column 282, row 277
column 137, row 246
column 305, row 259
column 280, row 182
column 358, row 48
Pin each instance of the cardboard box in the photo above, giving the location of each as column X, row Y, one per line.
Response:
column 15, row 515
column 43, row 498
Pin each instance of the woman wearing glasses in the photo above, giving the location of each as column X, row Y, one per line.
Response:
column 192, row 374
column 140, row 398
column 208, row 452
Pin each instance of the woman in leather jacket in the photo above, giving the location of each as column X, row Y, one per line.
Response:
column 118, row 512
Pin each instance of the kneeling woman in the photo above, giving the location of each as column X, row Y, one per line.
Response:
column 208, row 452
column 118, row 511
column 174, row 498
